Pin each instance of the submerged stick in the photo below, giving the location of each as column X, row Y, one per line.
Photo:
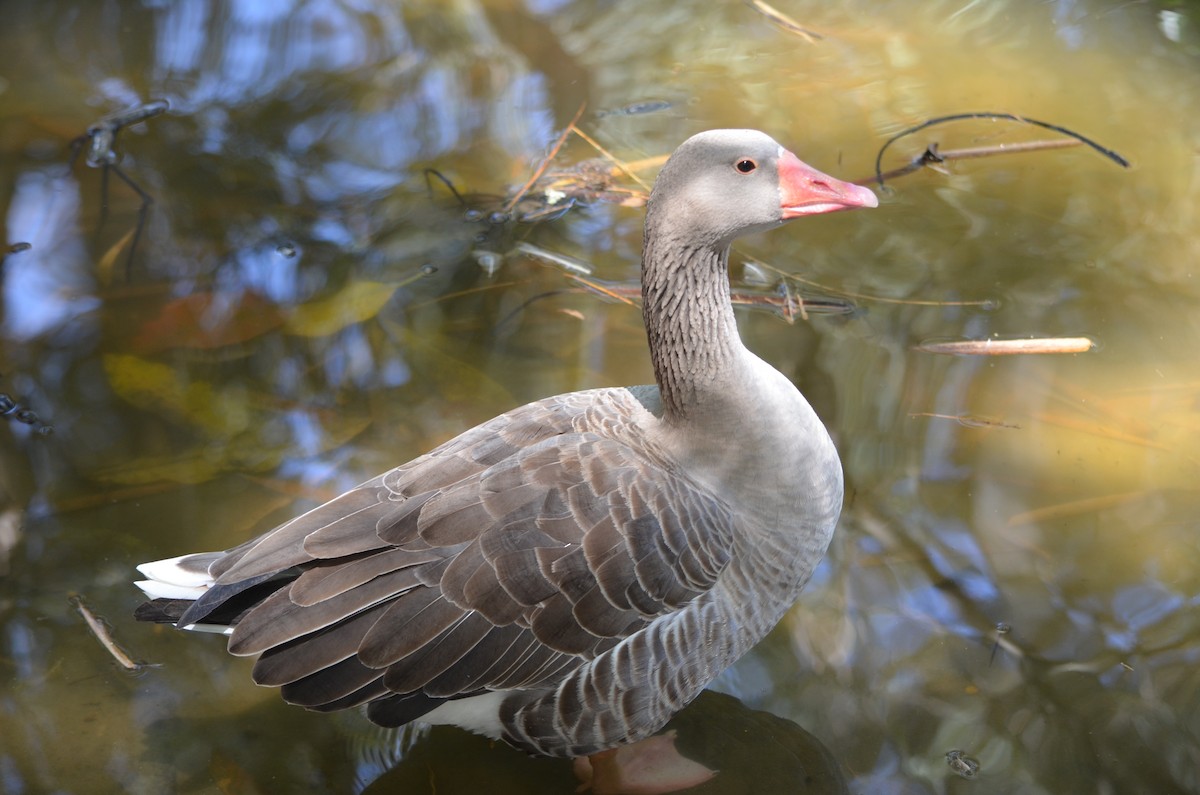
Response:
column 966, row 420
column 1071, row 508
column 102, row 633
column 933, row 155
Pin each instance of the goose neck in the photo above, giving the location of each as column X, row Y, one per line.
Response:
column 693, row 337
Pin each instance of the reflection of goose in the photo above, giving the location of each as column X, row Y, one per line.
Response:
column 570, row 574
column 719, row 747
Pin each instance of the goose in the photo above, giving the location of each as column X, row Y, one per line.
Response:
column 568, row 575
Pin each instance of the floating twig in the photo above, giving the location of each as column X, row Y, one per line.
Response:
column 100, row 629
column 985, row 303
column 569, row 264
column 782, row 20
column 998, row 347
column 1110, row 154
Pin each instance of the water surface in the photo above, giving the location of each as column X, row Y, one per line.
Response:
column 1018, row 585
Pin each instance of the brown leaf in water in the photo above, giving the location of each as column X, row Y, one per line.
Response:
column 207, row 320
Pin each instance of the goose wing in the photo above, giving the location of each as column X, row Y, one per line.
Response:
column 502, row 560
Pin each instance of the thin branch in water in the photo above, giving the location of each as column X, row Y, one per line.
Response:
column 776, row 302
column 986, row 303
column 1002, row 629
column 429, row 185
column 612, row 159
column 787, row 304
column 933, row 156
column 500, row 324
column 569, row 264
column 1102, row 431
column 646, row 163
column 782, row 301
column 997, row 347
column 1072, row 508
column 470, row 291
column 791, row 299
column 545, row 161
column 99, row 143
column 966, row 420
column 1110, row 154
column 622, row 293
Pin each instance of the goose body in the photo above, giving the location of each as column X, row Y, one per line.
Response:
column 569, row 574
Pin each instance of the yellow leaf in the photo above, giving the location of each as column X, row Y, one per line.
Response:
column 193, row 466
column 163, row 390
column 354, row 303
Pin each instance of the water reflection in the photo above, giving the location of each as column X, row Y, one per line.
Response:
column 304, row 311
column 49, row 286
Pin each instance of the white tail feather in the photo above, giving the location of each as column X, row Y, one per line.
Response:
column 216, row 629
column 183, row 577
column 155, row 589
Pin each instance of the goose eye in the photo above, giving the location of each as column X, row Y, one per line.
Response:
column 746, row 165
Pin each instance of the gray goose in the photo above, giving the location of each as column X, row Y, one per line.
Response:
column 570, row 574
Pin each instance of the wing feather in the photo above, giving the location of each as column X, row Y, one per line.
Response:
column 334, row 683
column 474, row 666
column 369, row 692
column 281, row 665
column 284, row 547
column 327, row 579
column 278, row 619
column 412, row 621
column 418, row 669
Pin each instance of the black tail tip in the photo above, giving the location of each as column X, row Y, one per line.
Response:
column 161, row 611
